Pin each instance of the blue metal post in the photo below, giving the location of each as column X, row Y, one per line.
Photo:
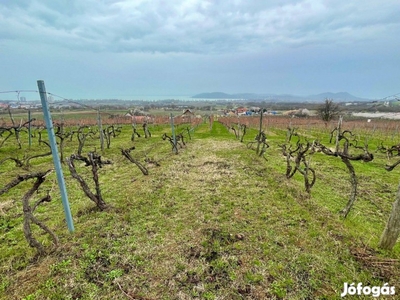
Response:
column 54, row 151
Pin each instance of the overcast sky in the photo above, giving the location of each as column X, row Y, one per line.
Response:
column 131, row 49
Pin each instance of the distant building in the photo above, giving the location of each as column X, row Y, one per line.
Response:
column 241, row 110
column 187, row 112
column 298, row 112
column 22, row 99
column 255, row 109
column 187, row 115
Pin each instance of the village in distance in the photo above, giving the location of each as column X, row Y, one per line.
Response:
column 220, row 104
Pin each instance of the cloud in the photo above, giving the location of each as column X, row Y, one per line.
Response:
column 196, row 26
column 105, row 48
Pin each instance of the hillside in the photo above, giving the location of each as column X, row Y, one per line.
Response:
column 213, row 222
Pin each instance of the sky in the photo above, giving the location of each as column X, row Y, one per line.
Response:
column 102, row 49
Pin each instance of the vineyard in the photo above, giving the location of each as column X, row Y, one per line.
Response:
column 206, row 208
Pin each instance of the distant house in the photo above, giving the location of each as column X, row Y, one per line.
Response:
column 241, row 110
column 187, row 112
column 138, row 117
column 255, row 109
column 187, row 115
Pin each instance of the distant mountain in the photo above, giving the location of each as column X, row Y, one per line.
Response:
column 220, row 95
column 339, row 97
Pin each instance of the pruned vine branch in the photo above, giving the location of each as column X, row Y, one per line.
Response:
column 178, row 139
column 28, row 210
column 13, row 129
column 392, row 229
column 25, row 161
column 94, row 160
column 126, row 153
column 259, row 140
column 343, row 153
column 299, row 157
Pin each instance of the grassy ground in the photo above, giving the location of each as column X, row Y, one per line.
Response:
column 213, row 222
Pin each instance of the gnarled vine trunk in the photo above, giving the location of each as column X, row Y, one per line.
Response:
column 392, row 229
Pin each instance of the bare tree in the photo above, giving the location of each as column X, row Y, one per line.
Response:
column 328, row 111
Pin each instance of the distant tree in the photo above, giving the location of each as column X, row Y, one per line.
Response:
column 328, row 111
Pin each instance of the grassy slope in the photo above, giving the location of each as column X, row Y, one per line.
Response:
column 214, row 222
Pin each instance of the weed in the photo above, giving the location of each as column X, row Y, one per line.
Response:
column 114, row 274
column 62, row 267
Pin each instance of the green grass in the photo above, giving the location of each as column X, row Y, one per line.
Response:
column 213, row 222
